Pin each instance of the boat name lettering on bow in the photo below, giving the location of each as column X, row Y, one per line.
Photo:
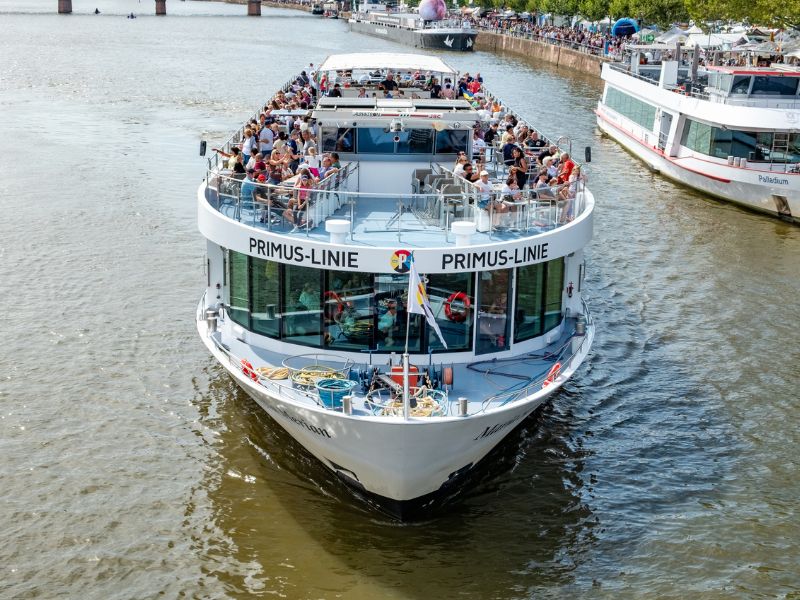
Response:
column 301, row 422
column 294, row 253
column 768, row 179
column 491, row 430
column 494, row 258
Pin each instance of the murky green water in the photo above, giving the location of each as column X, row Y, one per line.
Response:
column 131, row 466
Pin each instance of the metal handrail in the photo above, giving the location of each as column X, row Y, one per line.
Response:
column 492, row 401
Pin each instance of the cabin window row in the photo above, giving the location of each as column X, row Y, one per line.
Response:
column 757, row 85
column 639, row 112
column 755, row 146
column 353, row 311
column 377, row 140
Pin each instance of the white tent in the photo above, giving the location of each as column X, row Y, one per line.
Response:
column 715, row 40
column 676, row 34
column 694, row 29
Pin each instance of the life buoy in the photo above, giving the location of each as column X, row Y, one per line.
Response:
column 551, row 376
column 457, row 316
column 248, row 370
column 329, row 298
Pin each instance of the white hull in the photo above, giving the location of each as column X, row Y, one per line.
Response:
column 395, row 461
column 734, row 184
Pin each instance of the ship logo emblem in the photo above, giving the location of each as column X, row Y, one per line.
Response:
column 448, row 41
column 469, row 42
column 401, row 261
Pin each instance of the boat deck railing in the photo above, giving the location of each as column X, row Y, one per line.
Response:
column 424, row 218
column 548, row 365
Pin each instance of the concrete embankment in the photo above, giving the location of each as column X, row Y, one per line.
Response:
column 496, row 42
column 562, row 57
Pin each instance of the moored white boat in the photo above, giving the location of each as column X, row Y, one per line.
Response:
column 293, row 311
column 732, row 132
column 381, row 19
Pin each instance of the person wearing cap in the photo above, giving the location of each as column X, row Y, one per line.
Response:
column 247, row 191
column 485, row 188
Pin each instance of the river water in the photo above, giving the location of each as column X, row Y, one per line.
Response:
column 131, row 466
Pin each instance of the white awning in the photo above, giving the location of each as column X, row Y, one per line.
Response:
column 386, row 60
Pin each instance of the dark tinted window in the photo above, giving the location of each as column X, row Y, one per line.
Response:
column 374, row 140
column 338, row 140
column 452, row 141
column 741, row 84
column 775, row 86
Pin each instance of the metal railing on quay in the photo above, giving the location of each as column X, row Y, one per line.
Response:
column 598, row 51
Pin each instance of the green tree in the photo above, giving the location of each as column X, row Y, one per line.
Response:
column 593, row 10
column 772, row 13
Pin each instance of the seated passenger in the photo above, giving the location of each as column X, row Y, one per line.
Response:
column 565, row 168
column 388, row 84
column 386, row 322
column 469, row 173
column 295, row 212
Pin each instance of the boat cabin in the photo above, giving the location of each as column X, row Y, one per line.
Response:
column 334, row 276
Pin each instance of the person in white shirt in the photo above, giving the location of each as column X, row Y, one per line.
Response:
column 477, row 143
column 266, row 138
column 485, row 187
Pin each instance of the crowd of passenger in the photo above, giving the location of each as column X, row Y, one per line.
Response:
column 281, row 146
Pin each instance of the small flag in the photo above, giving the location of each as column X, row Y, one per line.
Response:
column 418, row 300
column 468, row 95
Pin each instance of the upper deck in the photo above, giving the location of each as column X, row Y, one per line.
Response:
column 396, row 181
column 777, row 86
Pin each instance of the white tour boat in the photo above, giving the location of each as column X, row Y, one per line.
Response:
column 732, row 132
column 381, row 19
column 314, row 320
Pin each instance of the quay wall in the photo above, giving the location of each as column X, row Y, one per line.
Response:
column 558, row 55
column 489, row 41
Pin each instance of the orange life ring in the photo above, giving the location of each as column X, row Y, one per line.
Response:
column 457, row 316
column 248, row 370
column 333, row 296
column 551, row 376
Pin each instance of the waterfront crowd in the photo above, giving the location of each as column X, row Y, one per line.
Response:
column 576, row 38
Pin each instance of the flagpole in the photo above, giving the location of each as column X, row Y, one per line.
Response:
column 406, row 395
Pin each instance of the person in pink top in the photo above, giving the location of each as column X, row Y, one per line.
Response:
column 298, row 205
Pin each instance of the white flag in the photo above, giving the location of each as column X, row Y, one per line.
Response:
column 418, row 300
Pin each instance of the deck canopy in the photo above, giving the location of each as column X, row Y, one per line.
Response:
column 386, row 61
